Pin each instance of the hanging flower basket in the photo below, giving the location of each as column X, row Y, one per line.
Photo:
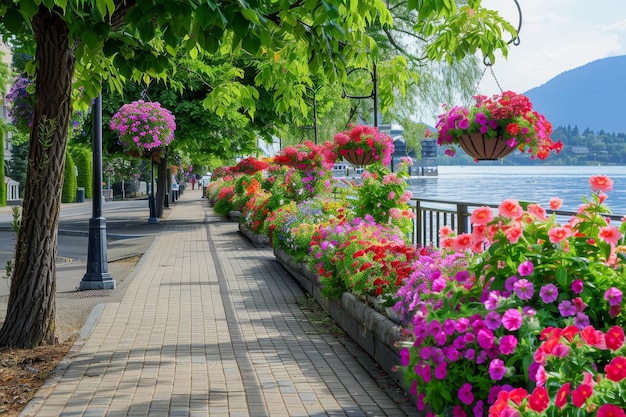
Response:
column 358, row 157
column 144, row 128
column 363, row 145
column 482, row 148
column 502, row 121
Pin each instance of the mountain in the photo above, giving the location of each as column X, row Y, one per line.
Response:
column 592, row 96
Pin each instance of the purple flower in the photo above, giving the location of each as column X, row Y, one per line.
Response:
column 465, row 394
column 510, row 281
column 464, row 123
column 462, row 324
column 549, row 293
column 480, row 118
column 613, row 296
column 441, row 371
column 526, row 268
column 478, row 409
column 492, row 301
column 581, row 320
column 405, row 356
column 497, row 370
column 492, row 320
column 577, row 286
column 469, row 354
column 524, row 289
column 566, row 308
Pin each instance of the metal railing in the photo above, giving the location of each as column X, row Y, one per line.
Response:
column 431, row 215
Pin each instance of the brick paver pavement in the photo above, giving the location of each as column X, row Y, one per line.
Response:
column 210, row 326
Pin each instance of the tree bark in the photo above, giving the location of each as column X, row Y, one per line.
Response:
column 30, row 318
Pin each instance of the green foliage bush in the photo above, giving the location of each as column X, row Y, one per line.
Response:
column 82, row 159
column 68, row 194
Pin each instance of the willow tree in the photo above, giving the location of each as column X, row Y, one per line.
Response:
column 82, row 43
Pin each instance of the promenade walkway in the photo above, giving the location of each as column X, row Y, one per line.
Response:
column 210, row 326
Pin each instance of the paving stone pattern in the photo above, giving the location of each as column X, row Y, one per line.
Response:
column 210, row 326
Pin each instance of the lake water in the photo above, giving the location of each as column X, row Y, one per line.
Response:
column 492, row 184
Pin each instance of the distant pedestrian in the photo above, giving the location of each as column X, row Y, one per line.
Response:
column 193, row 182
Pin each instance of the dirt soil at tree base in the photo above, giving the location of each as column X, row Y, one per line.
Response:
column 24, row 371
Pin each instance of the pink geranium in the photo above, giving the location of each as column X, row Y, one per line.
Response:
column 601, row 183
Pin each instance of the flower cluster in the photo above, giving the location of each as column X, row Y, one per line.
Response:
column 305, row 157
column 248, row 165
column 22, row 103
column 364, row 139
column 143, row 126
column 384, row 195
column 507, row 116
column 568, row 381
column 524, row 272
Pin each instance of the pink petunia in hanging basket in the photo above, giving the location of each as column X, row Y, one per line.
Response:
column 144, row 127
column 363, row 145
column 501, row 121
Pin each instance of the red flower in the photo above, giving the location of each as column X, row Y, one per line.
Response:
column 616, row 369
column 614, row 337
column 581, row 394
column 610, row 410
column 561, row 395
column 517, row 395
column 539, row 399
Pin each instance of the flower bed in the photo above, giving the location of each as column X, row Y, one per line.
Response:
column 494, row 320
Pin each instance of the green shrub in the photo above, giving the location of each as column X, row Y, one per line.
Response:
column 68, row 194
column 82, row 159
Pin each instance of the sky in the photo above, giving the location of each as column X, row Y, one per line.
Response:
column 556, row 36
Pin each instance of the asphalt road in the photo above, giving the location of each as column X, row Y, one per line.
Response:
column 128, row 234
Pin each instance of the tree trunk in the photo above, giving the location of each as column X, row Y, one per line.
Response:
column 30, row 318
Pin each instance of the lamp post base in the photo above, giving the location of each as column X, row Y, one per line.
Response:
column 97, row 276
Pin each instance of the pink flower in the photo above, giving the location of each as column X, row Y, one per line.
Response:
column 513, row 233
column 481, row 215
column 555, row 203
column 577, row 286
column 610, row 234
column 485, row 338
column 512, row 319
column 462, row 242
column 549, row 293
column 613, row 296
column 524, row 289
column 600, row 183
column 510, row 209
column 526, row 268
column 537, row 211
column 465, row 394
column 610, row 410
column 508, row 344
column 557, row 234
column 497, row 370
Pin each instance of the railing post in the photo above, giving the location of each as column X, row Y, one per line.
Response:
column 418, row 222
column 462, row 218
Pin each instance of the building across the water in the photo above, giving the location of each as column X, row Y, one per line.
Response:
column 424, row 166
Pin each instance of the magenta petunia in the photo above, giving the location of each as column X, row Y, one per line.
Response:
column 524, row 289
column 497, row 370
column 465, row 394
column 512, row 319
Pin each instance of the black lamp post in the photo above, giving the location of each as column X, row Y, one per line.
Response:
column 151, row 200
column 97, row 276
